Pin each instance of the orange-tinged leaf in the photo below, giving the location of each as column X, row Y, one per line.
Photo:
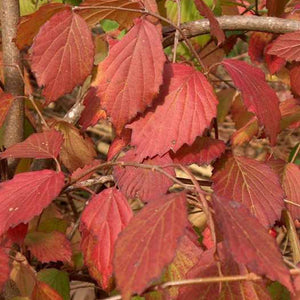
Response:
column 207, row 267
column 46, row 247
column 92, row 112
column 215, row 28
column 102, row 220
column 6, row 101
column 119, row 143
column 98, row 13
column 295, row 78
column 252, row 183
column 129, row 78
column 274, row 63
column 257, row 95
column 38, row 145
column 275, row 7
column 291, row 186
column 245, row 133
column 62, row 54
column 4, row 263
column 249, row 242
column 30, row 25
column 154, row 234
column 287, row 46
column 26, row 195
column 187, row 255
column 145, row 184
column 76, row 151
column 257, row 43
column 202, row 151
column 42, row 291
column 290, row 112
column 187, row 105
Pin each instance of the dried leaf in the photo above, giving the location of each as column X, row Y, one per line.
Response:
column 26, row 195
column 62, row 54
column 145, row 184
column 154, row 233
column 38, row 145
column 252, row 183
column 43, row 291
column 202, row 151
column 129, row 78
column 30, row 25
column 47, row 247
column 187, row 105
column 249, row 242
column 257, row 95
column 123, row 17
column 101, row 222
column 76, row 151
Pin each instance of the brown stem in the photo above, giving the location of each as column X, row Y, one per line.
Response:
column 12, row 68
column 247, row 23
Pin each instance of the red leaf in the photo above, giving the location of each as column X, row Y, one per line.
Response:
column 26, row 195
column 42, row 291
column 257, row 43
column 145, row 184
column 207, row 267
column 5, row 269
column 254, row 184
column 258, row 96
column 154, row 234
column 274, row 63
column 290, row 112
column 30, row 25
column 188, row 106
column 291, row 184
column 46, row 247
column 215, row 28
column 295, row 78
column 129, row 78
column 92, row 112
column 249, row 242
column 17, row 234
column 287, row 46
column 6, row 101
column 119, row 143
column 202, row 151
column 123, row 17
column 62, row 54
column 101, row 222
column 38, row 145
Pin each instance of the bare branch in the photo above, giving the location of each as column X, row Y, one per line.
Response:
column 247, row 23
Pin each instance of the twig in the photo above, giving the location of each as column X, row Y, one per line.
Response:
column 38, row 111
column 177, row 33
column 296, row 153
column 90, row 182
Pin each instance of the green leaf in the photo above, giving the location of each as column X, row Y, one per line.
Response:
column 56, row 279
column 278, row 291
column 109, row 25
column 297, row 159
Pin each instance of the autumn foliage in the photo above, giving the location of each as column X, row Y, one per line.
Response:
column 139, row 219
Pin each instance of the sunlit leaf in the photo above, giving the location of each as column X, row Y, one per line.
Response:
column 46, row 144
column 62, row 54
column 129, row 78
column 45, row 292
column 154, row 233
column 26, row 195
column 186, row 107
column 101, row 222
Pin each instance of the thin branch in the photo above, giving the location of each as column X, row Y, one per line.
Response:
column 177, row 33
column 238, row 23
column 296, row 153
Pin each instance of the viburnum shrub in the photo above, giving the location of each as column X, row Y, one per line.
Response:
column 139, row 219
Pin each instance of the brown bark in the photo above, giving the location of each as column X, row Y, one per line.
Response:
column 247, row 23
column 12, row 67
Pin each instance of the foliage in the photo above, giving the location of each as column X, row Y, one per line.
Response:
column 136, row 219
